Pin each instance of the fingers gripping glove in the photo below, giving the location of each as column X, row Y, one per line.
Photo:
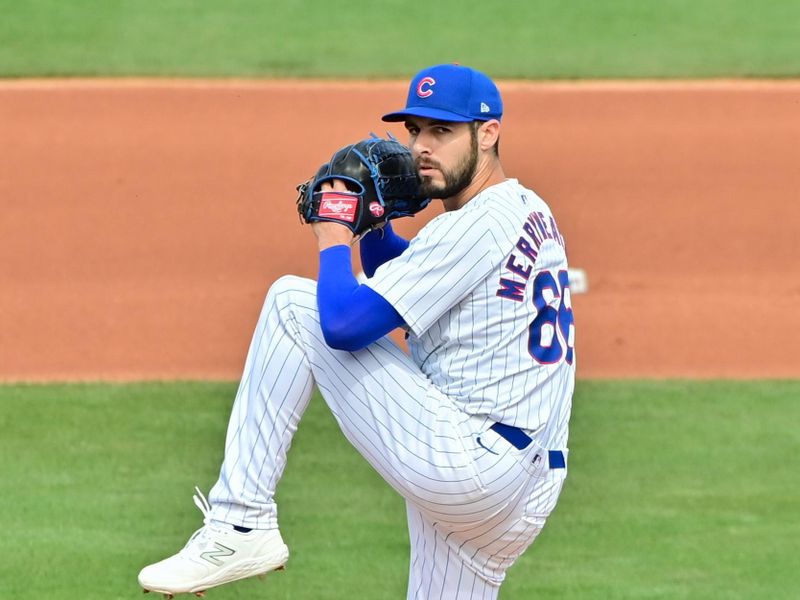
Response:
column 381, row 180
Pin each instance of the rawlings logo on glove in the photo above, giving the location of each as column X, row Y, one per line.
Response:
column 338, row 206
column 382, row 181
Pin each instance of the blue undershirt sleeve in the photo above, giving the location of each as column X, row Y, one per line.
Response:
column 352, row 316
column 378, row 246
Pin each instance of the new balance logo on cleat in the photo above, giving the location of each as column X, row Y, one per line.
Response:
column 220, row 551
column 214, row 555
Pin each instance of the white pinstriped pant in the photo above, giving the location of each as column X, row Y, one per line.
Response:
column 472, row 508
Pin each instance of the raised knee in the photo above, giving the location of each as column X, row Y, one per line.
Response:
column 293, row 283
column 290, row 291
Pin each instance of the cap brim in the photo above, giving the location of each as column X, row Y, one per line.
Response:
column 428, row 113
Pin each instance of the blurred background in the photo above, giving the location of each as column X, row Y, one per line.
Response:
column 148, row 157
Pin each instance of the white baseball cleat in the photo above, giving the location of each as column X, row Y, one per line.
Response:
column 215, row 554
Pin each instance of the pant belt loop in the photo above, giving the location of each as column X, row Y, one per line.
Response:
column 556, row 459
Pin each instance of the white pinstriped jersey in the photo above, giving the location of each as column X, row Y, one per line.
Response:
column 484, row 291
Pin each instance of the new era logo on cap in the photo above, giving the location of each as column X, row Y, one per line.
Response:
column 451, row 93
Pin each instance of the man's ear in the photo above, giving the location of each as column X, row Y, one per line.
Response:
column 488, row 133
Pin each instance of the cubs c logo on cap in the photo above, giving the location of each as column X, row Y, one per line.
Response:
column 424, row 87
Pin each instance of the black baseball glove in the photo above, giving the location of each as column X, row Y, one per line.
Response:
column 382, row 184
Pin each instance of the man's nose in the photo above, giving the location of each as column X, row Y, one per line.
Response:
column 421, row 144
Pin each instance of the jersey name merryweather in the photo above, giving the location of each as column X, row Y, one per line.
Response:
column 537, row 229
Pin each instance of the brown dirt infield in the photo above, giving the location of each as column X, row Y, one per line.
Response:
column 143, row 221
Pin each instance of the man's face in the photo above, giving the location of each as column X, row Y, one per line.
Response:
column 446, row 155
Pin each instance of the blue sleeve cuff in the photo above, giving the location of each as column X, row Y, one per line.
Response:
column 380, row 246
column 352, row 316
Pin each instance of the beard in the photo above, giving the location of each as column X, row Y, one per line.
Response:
column 455, row 179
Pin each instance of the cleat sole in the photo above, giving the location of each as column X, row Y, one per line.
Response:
column 259, row 567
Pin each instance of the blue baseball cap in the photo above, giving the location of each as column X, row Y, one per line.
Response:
column 451, row 93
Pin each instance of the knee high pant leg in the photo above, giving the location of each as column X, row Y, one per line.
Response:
column 383, row 404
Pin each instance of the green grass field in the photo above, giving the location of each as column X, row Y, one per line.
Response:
column 341, row 38
column 676, row 490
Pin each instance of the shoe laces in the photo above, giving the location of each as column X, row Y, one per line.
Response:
column 202, row 538
column 201, row 502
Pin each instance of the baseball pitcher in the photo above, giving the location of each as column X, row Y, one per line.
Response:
column 471, row 428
